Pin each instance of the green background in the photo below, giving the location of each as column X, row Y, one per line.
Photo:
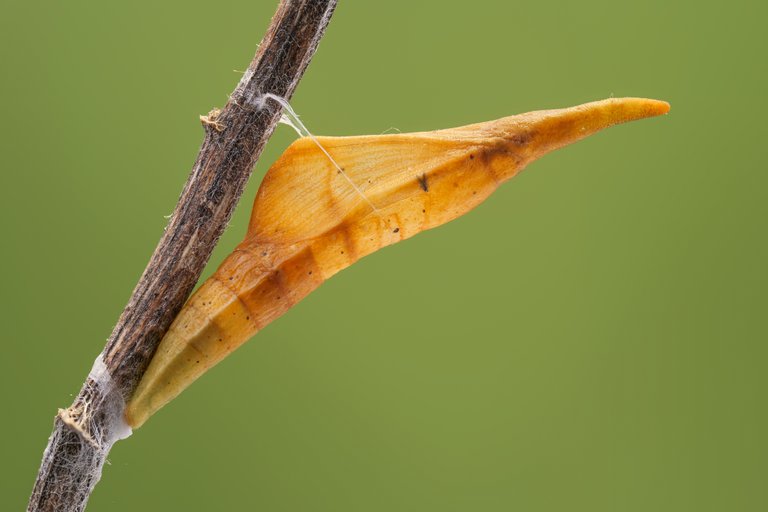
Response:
column 592, row 338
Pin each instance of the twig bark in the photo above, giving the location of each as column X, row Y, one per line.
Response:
column 234, row 139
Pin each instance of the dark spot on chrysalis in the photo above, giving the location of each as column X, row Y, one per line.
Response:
column 310, row 272
column 423, row 182
column 396, row 230
column 521, row 139
column 471, row 156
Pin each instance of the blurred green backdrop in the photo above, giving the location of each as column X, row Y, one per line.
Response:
column 592, row 338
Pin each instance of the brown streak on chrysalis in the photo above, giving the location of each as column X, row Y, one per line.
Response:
column 308, row 222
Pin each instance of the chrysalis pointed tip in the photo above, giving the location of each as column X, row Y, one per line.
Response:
column 660, row 107
column 552, row 129
column 630, row 109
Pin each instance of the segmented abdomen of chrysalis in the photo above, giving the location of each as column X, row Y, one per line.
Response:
column 260, row 281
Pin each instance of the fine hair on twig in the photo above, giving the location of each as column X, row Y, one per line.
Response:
column 234, row 139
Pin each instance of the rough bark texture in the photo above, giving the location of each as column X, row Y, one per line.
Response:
column 234, row 139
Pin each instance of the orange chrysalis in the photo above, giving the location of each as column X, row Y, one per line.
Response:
column 308, row 223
